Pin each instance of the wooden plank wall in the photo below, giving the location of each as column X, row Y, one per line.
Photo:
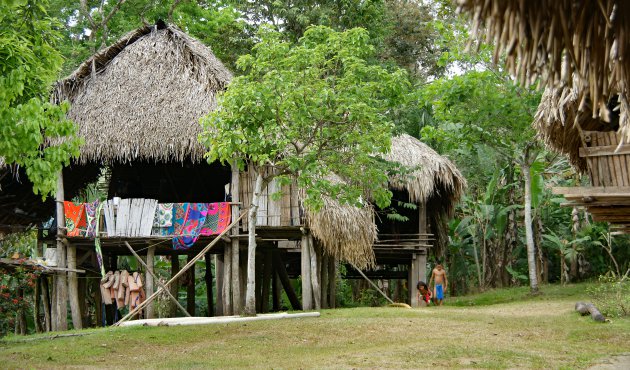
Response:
column 283, row 211
column 608, row 165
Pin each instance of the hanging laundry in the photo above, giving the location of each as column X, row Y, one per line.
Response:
column 163, row 220
column 91, row 215
column 75, row 218
column 218, row 218
column 191, row 226
column 180, row 210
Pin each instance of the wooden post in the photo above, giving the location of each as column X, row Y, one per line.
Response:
column 208, row 279
column 37, row 303
column 307, row 288
column 149, row 283
column 236, row 275
column 275, row 288
column 324, row 278
column 259, row 277
column 175, row 286
column 46, row 301
column 83, row 302
column 61, row 285
column 266, row 281
column 218, row 263
column 190, row 289
column 96, row 289
column 73, row 288
column 414, row 274
column 317, row 293
column 332, row 282
column 227, row 277
column 286, row 282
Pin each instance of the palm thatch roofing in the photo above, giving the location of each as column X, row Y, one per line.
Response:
column 141, row 98
column 554, row 40
column 348, row 233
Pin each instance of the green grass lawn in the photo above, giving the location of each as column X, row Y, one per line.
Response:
column 529, row 332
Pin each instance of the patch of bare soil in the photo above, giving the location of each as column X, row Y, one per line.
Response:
column 621, row 362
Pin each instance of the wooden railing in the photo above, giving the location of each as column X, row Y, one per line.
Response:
column 403, row 242
column 608, row 163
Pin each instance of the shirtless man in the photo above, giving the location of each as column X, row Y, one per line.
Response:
column 438, row 276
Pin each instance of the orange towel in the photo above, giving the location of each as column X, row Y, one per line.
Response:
column 75, row 218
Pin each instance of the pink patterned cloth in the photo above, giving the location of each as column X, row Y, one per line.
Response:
column 218, row 218
column 194, row 218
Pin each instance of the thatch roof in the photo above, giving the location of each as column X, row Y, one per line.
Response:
column 433, row 175
column 142, row 97
column 559, row 122
column 553, row 40
column 347, row 233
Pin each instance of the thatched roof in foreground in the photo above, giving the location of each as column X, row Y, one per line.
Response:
column 552, row 40
column 142, row 97
column 559, row 122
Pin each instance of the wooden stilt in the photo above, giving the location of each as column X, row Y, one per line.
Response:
column 83, row 301
column 266, row 281
column 96, row 291
column 190, row 290
column 149, row 282
column 227, row 279
column 332, row 282
column 243, row 274
column 324, row 279
column 258, row 281
column 307, row 287
column 46, row 303
column 174, row 288
column 286, row 282
column 237, row 306
column 37, row 302
column 275, row 288
column 73, row 288
column 317, row 294
column 61, row 285
column 208, row 280
column 218, row 262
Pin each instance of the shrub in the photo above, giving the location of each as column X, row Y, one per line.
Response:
column 611, row 295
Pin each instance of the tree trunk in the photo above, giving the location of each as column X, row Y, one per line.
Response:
column 307, row 292
column 250, row 295
column 314, row 273
column 529, row 233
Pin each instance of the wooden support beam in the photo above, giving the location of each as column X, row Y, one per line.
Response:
column 149, row 282
column 237, row 307
column 46, row 303
column 332, row 282
column 174, row 287
column 266, row 281
column 227, row 280
column 317, row 293
column 190, row 290
column 275, row 288
column 218, row 263
column 208, row 280
column 61, row 286
column 286, row 282
column 307, row 287
column 324, row 280
column 73, row 287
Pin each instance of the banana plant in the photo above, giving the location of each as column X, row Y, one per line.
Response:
column 567, row 250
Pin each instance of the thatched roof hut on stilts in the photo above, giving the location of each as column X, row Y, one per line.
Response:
column 578, row 50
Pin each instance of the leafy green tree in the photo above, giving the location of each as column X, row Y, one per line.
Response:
column 315, row 111
column 29, row 63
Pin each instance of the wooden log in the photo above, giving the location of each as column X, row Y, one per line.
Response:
column 190, row 290
column 149, row 282
column 286, row 282
column 208, row 280
column 266, row 281
column 317, row 293
column 227, row 277
column 332, row 282
column 177, row 321
column 73, row 288
column 307, row 287
column 61, row 285
column 218, row 263
column 589, row 308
